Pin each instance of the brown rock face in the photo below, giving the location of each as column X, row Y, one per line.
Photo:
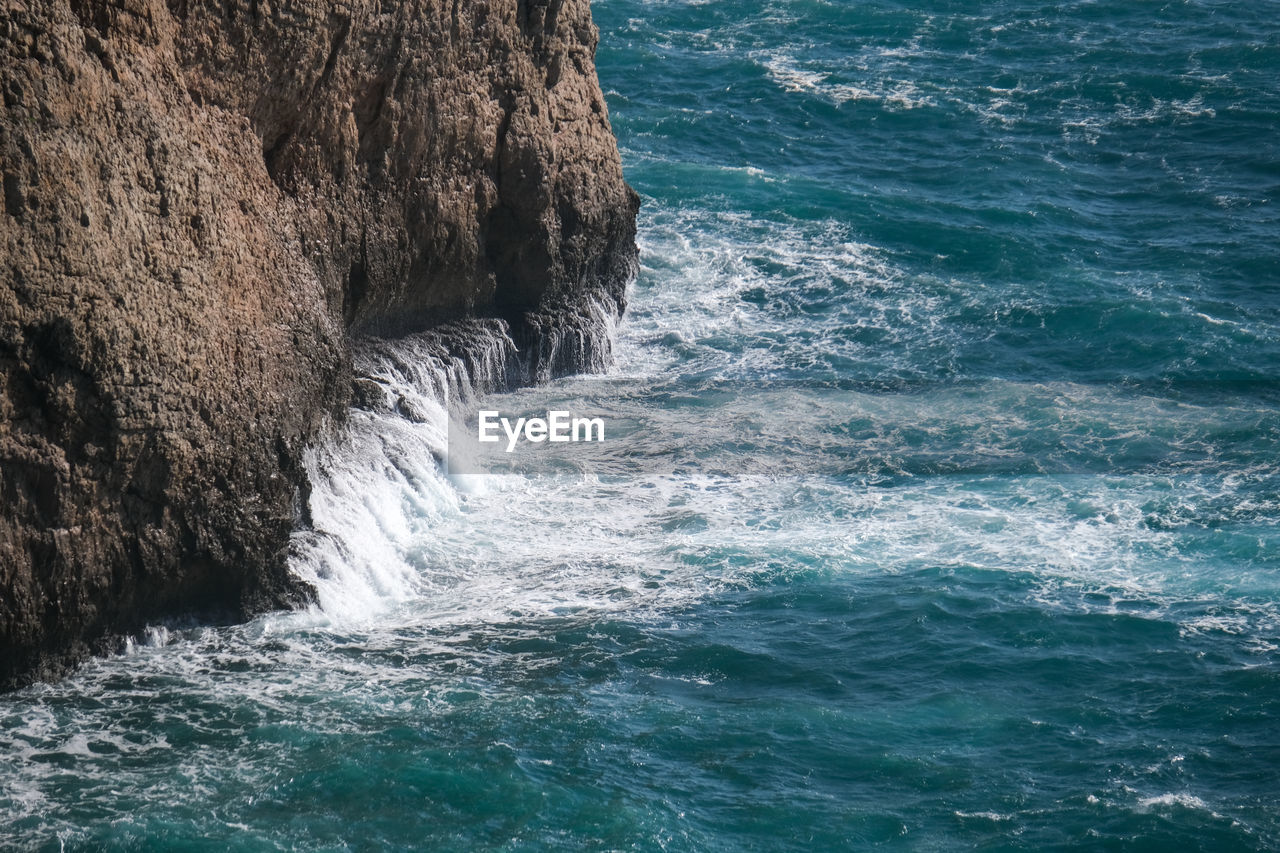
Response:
column 203, row 203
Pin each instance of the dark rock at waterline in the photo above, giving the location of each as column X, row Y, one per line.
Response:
column 203, row 204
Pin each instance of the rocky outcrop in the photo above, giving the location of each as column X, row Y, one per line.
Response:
column 204, row 203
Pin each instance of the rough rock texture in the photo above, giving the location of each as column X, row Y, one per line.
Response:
column 203, row 203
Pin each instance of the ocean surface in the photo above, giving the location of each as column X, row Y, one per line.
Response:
column 939, row 509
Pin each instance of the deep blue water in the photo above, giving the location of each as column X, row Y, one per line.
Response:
column 943, row 513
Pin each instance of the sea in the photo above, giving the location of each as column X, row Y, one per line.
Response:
column 937, row 507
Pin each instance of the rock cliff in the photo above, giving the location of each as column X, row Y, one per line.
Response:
column 204, row 205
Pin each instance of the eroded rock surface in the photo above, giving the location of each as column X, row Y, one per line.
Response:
column 203, row 203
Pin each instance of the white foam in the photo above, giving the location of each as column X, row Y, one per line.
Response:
column 789, row 74
column 694, row 276
column 991, row 816
column 376, row 483
column 381, row 504
column 1183, row 799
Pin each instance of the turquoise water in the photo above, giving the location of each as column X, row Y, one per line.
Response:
column 943, row 513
